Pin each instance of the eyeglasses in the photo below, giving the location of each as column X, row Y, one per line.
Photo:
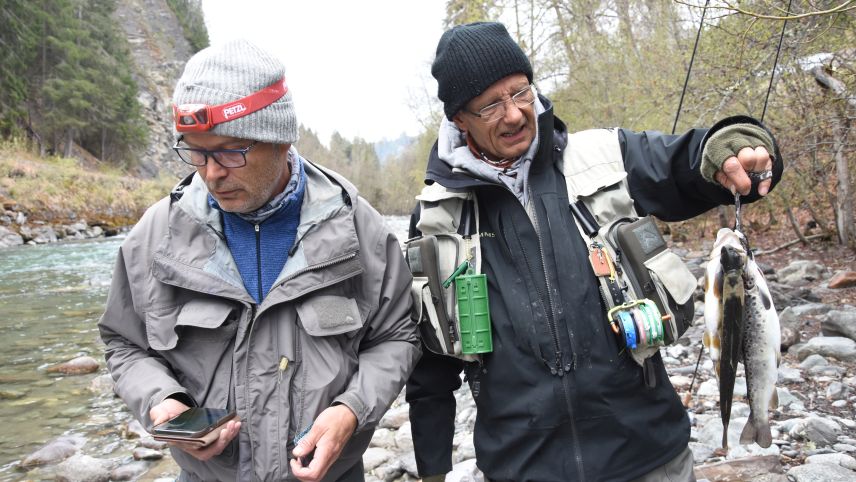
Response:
column 496, row 111
column 228, row 158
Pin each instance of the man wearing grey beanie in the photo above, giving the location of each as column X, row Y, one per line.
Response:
column 263, row 287
column 549, row 219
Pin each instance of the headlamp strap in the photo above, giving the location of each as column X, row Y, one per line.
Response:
column 200, row 117
column 249, row 104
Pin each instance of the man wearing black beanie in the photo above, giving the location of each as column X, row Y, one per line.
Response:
column 559, row 396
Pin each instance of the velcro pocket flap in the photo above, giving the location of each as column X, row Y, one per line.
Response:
column 328, row 315
column 163, row 327
column 674, row 275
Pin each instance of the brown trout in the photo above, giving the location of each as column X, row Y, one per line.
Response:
column 761, row 355
column 724, row 306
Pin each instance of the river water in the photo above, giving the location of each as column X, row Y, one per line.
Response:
column 51, row 297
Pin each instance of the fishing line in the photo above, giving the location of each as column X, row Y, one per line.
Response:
column 690, row 68
column 698, row 361
column 775, row 62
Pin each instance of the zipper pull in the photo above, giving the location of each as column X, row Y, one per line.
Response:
column 283, row 364
column 556, row 369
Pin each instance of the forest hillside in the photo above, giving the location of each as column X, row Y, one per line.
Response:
column 638, row 64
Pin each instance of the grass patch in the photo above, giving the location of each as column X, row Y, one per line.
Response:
column 57, row 189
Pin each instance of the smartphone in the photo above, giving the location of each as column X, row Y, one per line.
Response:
column 198, row 425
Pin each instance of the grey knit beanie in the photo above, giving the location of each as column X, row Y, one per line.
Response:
column 470, row 58
column 232, row 70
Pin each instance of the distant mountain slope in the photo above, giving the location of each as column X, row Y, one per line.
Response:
column 386, row 148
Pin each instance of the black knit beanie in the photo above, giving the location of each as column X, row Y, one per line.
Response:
column 470, row 58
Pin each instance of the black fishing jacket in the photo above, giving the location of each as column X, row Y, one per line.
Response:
column 556, row 399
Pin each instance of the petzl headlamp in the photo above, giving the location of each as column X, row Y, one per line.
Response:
column 203, row 117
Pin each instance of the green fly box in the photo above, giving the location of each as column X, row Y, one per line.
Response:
column 473, row 313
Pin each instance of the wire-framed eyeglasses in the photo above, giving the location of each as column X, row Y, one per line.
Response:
column 496, row 111
column 228, row 158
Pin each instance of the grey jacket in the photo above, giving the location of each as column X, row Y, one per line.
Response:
column 335, row 326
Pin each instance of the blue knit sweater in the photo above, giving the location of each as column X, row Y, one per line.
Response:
column 261, row 250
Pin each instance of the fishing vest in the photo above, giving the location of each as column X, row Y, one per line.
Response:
column 647, row 290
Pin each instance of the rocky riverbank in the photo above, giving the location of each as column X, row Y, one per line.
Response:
column 43, row 200
column 813, row 428
column 16, row 228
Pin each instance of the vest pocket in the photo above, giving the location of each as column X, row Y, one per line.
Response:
column 676, row 285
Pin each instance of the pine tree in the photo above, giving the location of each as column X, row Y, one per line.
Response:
column 18, row 49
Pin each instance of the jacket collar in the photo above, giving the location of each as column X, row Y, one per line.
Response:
column 195, row 255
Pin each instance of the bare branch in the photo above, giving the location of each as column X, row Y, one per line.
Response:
column 848, row 5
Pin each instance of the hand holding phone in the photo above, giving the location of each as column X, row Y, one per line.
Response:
column 197, row 426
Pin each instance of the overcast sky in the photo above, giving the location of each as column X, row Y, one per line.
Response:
column 352, row 66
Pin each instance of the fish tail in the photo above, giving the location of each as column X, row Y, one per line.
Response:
column 758, row 432
column 749, row 432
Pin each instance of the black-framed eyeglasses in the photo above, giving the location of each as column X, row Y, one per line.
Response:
column 496, row 111
column 228, row 158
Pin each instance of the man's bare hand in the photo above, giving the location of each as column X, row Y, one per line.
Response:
column 170, row 408
column 328, row 436
column 734, row 174
column 167, row 409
